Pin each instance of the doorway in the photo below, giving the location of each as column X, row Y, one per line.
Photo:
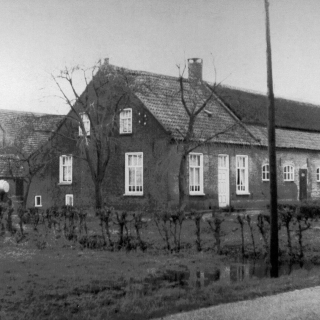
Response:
column 223, row 180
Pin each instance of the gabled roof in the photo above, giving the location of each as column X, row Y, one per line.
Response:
column 161, row 95
column 251, row 108
column 232, row 116
column 28, row 129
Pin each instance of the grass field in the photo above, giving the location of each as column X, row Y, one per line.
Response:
column 64, row 281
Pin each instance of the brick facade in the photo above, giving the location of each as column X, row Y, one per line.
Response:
column 159, row 119
column 160, row 168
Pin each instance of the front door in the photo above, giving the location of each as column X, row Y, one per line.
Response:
column 303, row 184
column 223, row 180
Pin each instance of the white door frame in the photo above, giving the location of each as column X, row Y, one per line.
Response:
column 226, row 170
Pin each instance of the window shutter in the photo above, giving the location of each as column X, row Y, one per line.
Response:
column 247, row 173
column 71, row 167
column 126, row 174
column 60, row 169
column 201, row 173
column 121, row 122
column 142, row 184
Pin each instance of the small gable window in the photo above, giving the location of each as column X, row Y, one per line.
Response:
column 37, row 201
column 318, row 174
column 86, row 123
column 126, row 121
column 265, row 172
column 288, row 173
column 195, row 173
column 69, row 200
column 65, row 172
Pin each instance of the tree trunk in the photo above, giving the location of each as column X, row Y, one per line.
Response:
column 182, row 182
column 26, row 194
column 98, row 194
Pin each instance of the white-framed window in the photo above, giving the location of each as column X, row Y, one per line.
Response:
column 195, row 173
column 126, row 121
column 37, row 201
column 69, row 199
column 318, row 174
column 242, row 174
column 288, row 173
column 265, row 172
column 86, row 123
column 134, row 173
column 65, row 172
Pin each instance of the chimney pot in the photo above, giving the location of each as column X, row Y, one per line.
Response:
column 195, row 69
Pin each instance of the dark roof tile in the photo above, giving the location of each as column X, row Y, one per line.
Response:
column 162, row 97
column 251, row 108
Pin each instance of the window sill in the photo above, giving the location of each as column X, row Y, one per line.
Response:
column 133, row 195
column 38, row 206
column 197, row 194
column 243, row 193
column 125, row 133
column 64, row 183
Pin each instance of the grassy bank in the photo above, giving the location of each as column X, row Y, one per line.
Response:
column 44, row 276
column 73, row 284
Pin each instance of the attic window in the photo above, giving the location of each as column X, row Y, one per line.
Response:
column 126, row 121
column 209, row 113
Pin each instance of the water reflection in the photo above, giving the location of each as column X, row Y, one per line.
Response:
column 242, row 271
column 233, row 272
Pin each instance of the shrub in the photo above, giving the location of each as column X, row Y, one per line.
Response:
column 310, row 209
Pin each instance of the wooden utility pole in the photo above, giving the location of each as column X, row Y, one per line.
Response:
column 274, row 241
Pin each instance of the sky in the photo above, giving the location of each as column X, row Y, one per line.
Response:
column 41, row 37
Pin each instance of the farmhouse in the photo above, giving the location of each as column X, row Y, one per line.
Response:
column 228, row 164
column 21, row 136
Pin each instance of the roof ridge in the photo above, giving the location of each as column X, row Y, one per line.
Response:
column 28, row 112
column 265, row 95
column 146, row 73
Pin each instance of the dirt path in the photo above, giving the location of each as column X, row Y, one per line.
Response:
column 299, row 304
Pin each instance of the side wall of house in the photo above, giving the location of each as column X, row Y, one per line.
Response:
column 258, row 195
column 160, row 170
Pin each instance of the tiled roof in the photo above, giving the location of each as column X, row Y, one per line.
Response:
column 162, row 97
column 286, row 138
column 21, row 127
column 7, row 169
column 251, row 108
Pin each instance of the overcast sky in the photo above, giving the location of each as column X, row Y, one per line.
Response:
column 40, row 37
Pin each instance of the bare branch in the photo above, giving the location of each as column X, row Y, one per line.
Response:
column 182, row 97
column 208, row 139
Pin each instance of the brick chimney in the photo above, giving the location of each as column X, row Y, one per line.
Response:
column 195, row 69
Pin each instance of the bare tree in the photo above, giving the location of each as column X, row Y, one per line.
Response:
column 108, row 89
column 27, row 156
column 195, row 96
